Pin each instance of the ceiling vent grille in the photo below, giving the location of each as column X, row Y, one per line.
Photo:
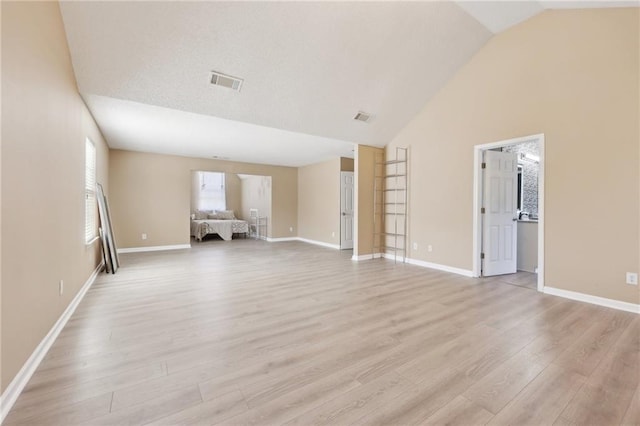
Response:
column 362, row 116
column 219, row 79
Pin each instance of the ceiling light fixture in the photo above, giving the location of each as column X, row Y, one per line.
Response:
column 530, row 157
column 219, row 79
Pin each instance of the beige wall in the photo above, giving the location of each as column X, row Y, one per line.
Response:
column 574, row 76
column 44, row 126
column 233, row 193
column 150, row 193
column 346, row 164
column 319, row 201
column 364, row 174
column 256, row 194
column 195, row 190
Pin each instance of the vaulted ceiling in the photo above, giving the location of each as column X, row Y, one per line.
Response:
column 144, row 68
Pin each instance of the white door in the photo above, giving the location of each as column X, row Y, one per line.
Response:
column 500, row 226
column 346, row 210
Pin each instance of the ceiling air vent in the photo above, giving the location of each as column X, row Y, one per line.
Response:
column 233, row 83
column 362, row 116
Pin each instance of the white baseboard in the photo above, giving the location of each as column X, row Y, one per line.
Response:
column 320, row 243
column 12, row 392
column 416, row 262
column 391, row 256
column 439, row 267
column 154, row 248
column 595, row 300
column 366, row 257
column 304, row 240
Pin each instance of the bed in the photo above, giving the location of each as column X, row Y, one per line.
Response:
column 217, row 223
column 223, row 227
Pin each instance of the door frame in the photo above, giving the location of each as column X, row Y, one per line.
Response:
column 477, row 201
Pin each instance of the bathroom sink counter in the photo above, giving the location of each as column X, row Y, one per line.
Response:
column 527, row 245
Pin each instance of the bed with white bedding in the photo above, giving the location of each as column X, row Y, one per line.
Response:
column 221, row 222
column 223, row 227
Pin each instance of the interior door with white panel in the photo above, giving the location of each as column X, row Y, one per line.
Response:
column 500, row 226
column 346, row 210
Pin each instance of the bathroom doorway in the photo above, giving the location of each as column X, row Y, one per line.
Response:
column 508, row 224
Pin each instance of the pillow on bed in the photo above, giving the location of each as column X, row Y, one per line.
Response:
column 200, row 215
column 213, row 216
column 226, row 214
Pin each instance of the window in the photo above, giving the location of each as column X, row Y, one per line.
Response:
column 211, row 194
column 90, row 217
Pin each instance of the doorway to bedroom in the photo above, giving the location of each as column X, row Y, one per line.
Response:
column 228, row 206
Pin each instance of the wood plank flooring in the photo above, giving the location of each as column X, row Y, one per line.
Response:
column 520, row 278
column 249, row 332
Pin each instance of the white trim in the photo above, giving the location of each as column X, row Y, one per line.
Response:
column 281, row 239
column 595, row 300
column 89, row 243
column 416, row 262
column 366, row 257
column 477, row 185
column 477, row 195
column 541, row 196
column 439, row 267
column 356, row 197
column 320, row 243
column 12, row 392
column 154, row 248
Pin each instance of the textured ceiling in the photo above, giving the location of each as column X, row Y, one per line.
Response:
column 308, row 68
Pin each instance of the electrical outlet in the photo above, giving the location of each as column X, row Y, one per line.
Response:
column 632, row 278
column 291, row 229
column 429, row 248
column 415, row 246
column 333, row 234
column 144, row 236
column 61, row 287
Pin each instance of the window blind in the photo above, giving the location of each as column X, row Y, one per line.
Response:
column 90, row 222
column 211, row 194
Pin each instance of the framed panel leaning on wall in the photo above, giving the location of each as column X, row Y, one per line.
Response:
column 106, row 231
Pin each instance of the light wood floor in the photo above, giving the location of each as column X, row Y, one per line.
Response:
column 521, row 279
column 249, row 332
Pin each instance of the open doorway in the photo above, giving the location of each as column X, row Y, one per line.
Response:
column 508, row 225
column 227, row 206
